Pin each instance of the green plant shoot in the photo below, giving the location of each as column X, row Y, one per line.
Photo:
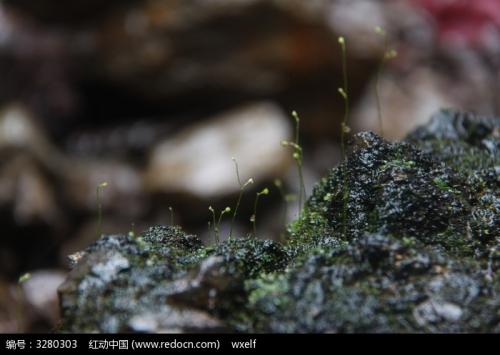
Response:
column 171, row 215
column 223, row 212
column 20, row 314
column 212, row 211
column 240, row 195
column 344, row 92
column 298, row 157
column 99, row 188
column 216, row 224
column 131, row 232
column 253, row 218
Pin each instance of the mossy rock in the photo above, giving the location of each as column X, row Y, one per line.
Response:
column 162, row 280
column 400, row 237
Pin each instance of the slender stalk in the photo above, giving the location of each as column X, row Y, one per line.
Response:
column 344, row 129
column 298, row 157
column 253, row 219
column 279, row 186
column 302, row 192
column 99, row 188
column 379, row 106
column 235, row 212
column 224, row 211
column 344, row 92
column 171, row 215
column 214, row 224
column 20, row 293
column 381, row 32
column 131, row 233
column 240, row 195
column 217, row 224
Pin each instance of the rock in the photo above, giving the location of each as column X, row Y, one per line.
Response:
column 177, row 321
column 218, row 283
column 25, row 188
column 40, row 292
column 140, row 304
column 198, row 161
column 125, row 186
column 76, row 177
column 391, row 187
column 120, row 60
column 209, row 284
column 179, row 47
column 400, row 237
column 158, row 270
column 17, row 128
column 31, row 306
column 30, row 213
column 406, row 102
column 376, row 227
column 44, row 192
column 431, row 312
column 458, row 126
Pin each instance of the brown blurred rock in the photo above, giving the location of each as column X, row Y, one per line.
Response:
column 27, row 147
column 124, row 186
column 166, row 48
column 406, row 102
column 40, row 292
column 192, row 57
column 425, row 77
column 44, row 192
column 198, row 161
column 32, row 196
column 31, row 306
column 23, row 182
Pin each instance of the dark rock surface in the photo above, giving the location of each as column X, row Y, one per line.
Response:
column 400, row 237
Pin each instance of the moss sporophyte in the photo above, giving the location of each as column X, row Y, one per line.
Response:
column 253, row 218
column 171, row 215
column 344, row 128
column 344, row 92
column 99, row 188
column 240, row 195
column 297, row 155
column 216, row 223
column 20, row 314
column 285, row 198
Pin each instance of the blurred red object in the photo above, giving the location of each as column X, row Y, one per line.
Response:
column 470, row 22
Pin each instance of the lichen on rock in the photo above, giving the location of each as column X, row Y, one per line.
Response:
column 400, row 237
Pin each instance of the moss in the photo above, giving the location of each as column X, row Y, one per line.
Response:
column 251, row 257
column 391, row 187
column 374, row 285
column 400, row 237
column 120, row 276
column 422, row 218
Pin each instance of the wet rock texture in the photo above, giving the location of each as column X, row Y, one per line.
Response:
column 400, row 237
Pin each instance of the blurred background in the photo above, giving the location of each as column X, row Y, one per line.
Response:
column 156, row 96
